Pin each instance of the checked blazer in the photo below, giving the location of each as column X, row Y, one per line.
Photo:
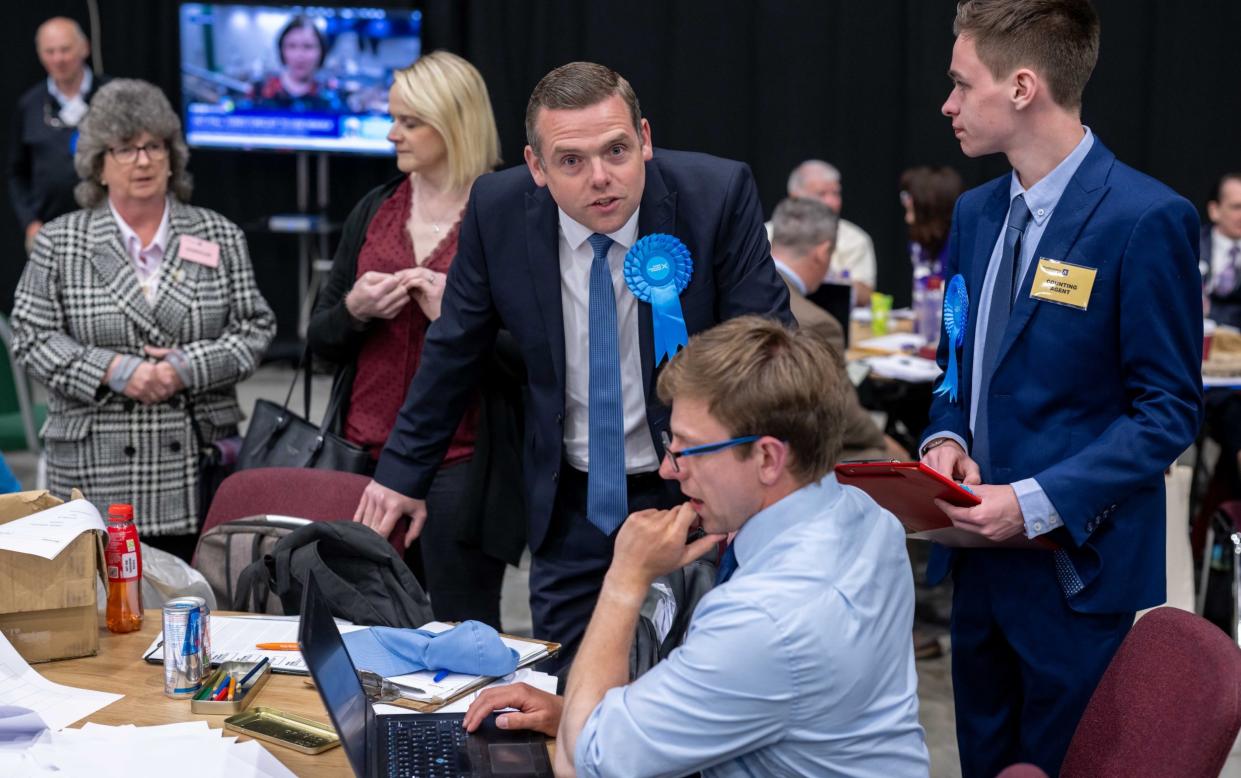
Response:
column 79, row 305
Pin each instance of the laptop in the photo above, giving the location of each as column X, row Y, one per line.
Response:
column 431, row 744
column 837, row 300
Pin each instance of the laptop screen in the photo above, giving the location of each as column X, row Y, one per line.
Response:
column 338, row 683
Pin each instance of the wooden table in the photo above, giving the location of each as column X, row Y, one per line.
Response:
column 118, row 667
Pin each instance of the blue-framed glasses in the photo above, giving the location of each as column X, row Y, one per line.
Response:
column 706, row 448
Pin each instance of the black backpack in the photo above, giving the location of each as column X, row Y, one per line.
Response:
column 665, row 614
column 357, row 572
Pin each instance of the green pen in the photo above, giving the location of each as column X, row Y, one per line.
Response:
column 210, row 682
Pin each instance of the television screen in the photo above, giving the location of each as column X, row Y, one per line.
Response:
column 302, row 78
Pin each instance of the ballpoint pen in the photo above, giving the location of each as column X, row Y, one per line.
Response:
column 278, row 647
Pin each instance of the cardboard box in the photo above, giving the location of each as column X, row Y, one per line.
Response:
column 48, row 607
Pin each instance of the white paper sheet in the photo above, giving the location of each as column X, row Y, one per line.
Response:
column 897, row 342
column 58, row 706
column 915, row 370
column 186, row 750
column 49, row 532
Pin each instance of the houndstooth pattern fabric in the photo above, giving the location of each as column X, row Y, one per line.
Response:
column 79, row 304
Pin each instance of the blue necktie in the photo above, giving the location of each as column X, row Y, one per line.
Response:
column 728, row 565
column 606, row 498
column 1006, row 283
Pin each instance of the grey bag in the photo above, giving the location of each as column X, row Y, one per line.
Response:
column 227, row 550
column 664, row 617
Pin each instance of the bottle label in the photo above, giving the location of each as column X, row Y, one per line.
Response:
column 122, row 554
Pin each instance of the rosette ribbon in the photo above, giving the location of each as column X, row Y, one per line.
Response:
column 657, row 270
column 956, row 319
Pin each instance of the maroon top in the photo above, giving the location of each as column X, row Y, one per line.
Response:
column 392, row 349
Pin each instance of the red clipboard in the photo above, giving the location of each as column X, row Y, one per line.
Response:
column 908, row 490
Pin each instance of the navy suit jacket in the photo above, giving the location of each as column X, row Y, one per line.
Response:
column 1093, row 404
column 507, row 274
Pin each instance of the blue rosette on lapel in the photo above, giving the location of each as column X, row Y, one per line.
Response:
column 657, row 270
column 956, row 319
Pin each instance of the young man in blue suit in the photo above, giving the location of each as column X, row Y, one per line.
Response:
column 1077, row 374
column 542, row 254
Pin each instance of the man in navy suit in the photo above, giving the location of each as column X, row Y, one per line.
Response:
column 541, row 255
column 1078, row 377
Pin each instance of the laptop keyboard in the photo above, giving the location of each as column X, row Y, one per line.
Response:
column 426, row 748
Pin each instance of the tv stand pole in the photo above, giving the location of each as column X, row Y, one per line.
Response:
column 312, row 242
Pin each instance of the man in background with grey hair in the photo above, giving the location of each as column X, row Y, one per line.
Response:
column 41, row 174
column 853, row 260
column 803, row 239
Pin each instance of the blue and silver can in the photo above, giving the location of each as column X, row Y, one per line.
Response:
column 187, row 645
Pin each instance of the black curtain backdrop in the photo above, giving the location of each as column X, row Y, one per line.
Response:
column 770, row 82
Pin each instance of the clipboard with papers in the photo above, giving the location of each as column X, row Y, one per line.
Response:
column 908, row 490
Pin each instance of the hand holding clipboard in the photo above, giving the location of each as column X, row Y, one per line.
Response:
column 909, row 490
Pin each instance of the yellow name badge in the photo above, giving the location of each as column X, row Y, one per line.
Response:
column 1060, row 282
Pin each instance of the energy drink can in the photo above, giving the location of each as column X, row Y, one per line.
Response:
column 187, row 645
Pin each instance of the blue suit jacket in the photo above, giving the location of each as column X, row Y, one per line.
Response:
column 507, row 274
column 1093, row 404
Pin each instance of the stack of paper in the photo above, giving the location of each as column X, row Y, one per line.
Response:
column 189, row 750
column 915, row 370
column 58, row 706
column 541, row 681
column 233, row 639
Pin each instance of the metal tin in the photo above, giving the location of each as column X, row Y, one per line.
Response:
column 187, row 645
column 286, row 729
column 244, row 696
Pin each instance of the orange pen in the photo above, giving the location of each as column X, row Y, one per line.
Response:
column 278, row 647
column 232, row 688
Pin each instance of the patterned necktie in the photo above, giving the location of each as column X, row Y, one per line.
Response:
column 728, row 565
column 1226, row 281
column 606, row 498
column 1006, row 283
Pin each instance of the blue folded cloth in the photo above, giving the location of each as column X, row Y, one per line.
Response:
column 471, row 647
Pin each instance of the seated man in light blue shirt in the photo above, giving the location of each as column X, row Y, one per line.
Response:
column 799, row 661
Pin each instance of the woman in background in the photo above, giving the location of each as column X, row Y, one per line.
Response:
column 384, row 291
column 140, row 314
column 928, row 195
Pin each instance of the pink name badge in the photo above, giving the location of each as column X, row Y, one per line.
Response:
column 204, row 252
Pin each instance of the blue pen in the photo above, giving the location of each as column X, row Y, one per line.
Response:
column 253, row 671
column 441, row 675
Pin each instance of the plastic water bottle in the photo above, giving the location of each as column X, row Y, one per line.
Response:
column 124, row 558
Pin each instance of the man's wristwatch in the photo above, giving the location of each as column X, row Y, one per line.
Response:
column 933, row 443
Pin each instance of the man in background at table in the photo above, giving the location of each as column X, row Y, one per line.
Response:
column 803, row 236
column 853, row 253
column 41, row 174
column 542, row 251
column 798, row 662
column 1078, row 383
column 1220, row 264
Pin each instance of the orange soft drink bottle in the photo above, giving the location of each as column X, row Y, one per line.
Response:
column 124, row 557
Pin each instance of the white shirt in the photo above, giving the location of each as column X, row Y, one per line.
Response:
column 72, row 109
column 576, row 257
column 798, row 665
column 147, row 259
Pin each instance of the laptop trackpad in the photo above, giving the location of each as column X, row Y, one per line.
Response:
column 514, row 758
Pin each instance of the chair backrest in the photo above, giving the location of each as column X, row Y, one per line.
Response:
column 307, row 493
column 1169, row 703
column 19, row 416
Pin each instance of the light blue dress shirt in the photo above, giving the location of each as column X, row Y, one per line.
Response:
column 801, row 664
column 1039, row 514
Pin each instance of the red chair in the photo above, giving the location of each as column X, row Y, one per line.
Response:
column 1169, row 704
column 307, row 493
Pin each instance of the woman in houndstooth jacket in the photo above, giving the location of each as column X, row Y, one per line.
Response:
column 140, row 314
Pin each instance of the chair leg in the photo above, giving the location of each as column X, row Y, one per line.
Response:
column 1205, row 576
column 1236, row 586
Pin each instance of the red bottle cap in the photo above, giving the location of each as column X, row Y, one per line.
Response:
column 120, row 511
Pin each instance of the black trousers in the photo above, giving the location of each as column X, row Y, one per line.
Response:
column 566, row 571
column 462, row 581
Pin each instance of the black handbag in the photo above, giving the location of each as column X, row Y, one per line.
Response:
column 211, row 471
column 278, row 437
